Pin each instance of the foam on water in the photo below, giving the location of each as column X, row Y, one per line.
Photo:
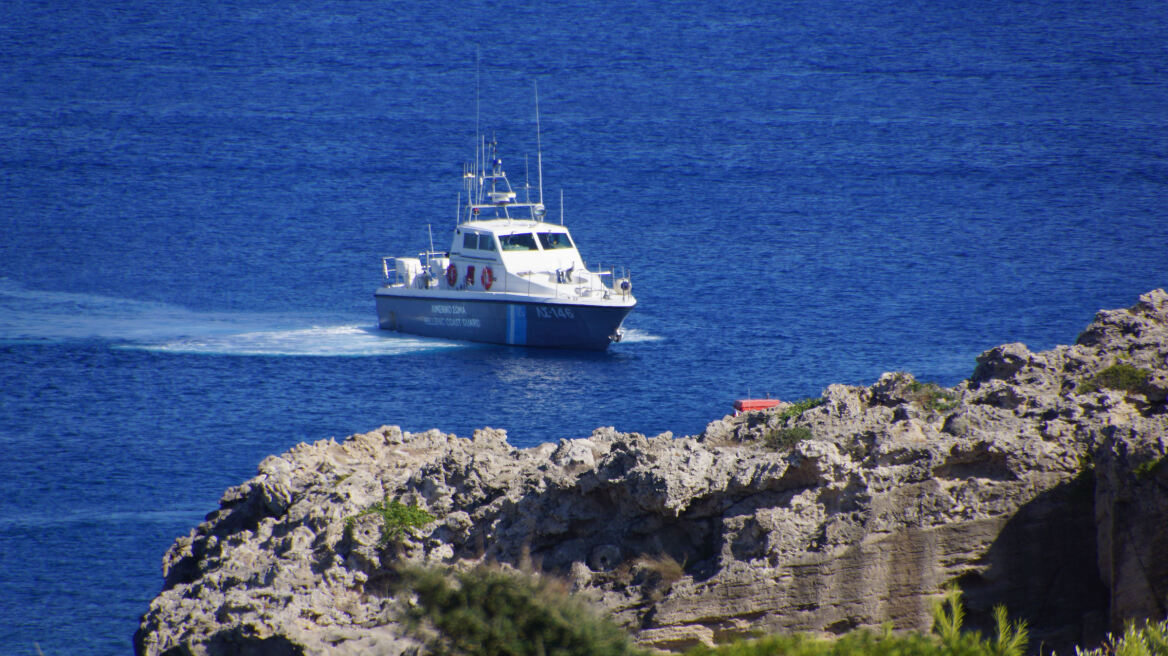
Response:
column 634, row 336
column 347, row 340
column 50, row 316
column 30, row 314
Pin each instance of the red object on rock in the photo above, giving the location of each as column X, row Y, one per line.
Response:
column 747, row 405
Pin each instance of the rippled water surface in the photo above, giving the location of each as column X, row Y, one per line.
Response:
column 194, row 198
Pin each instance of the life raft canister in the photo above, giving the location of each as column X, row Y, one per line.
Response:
column 451, row 275
column 488, row 277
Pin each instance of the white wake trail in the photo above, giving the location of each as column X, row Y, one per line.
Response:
column 347, row 340
column 50, row 316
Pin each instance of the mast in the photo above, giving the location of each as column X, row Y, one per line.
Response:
column 478, row 132
column 474, row 188
column 487, row 186
column 538, row 145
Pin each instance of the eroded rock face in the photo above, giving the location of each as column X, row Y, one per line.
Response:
column 1020, row 485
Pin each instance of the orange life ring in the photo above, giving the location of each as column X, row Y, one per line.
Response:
column 451, row 275
column 488, row 277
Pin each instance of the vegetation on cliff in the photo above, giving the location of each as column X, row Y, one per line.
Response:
column 1146, row 639
column 1138, row 639
column 1122, row 377
column 397, row 519
column 490, row 610
column 932, row 396
column 785, row 436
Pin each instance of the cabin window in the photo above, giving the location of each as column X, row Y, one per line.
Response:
column 470, row 240
column 554, row 240
column 520, row 242
column 486, row 242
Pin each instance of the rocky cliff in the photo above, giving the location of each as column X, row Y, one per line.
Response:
column 1038, row 483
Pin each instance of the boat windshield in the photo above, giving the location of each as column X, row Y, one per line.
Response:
column 478, row 242
column 554, row 240
column 520, row 242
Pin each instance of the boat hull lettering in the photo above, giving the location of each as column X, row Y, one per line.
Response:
column 499, row 322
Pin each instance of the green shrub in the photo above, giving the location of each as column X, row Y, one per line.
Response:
column 797, row 408
column 1147, row 639
column 1122, row 377
column 854, row 643
column 948, row 615
column 786, row 436
column 491, row 611
column 948, row 639
column 932, row 396
column 397, row 519
column 780, row 439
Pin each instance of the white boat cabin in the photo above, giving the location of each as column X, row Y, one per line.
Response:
column 496, row 252
column 518, row 256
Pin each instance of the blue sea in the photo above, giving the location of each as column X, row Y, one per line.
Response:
column 195, row 196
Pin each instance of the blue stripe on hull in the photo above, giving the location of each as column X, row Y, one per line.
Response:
column 520, row 324
column 516, row 324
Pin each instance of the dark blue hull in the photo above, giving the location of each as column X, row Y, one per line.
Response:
column 519, row 323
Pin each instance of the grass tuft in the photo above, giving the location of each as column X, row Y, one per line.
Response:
column 948, row 638
column 781, row 439
column 786, row 436
column 1147, row 639
column 663, row 570
column 932, row 396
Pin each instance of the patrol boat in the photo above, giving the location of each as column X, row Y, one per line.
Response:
column 510, row 277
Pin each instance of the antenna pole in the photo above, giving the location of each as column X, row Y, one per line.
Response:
column 526, row 181
column 477, row 53
column 561, row 206
column 472, row 192
column 538, row 145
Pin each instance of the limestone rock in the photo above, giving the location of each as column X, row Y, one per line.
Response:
column 1131, row 511
column 1022, row 484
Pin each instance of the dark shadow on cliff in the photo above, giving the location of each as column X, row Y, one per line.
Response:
column 1043, row 568
column 231, row 643
column 607, row 530
column 235, row 514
